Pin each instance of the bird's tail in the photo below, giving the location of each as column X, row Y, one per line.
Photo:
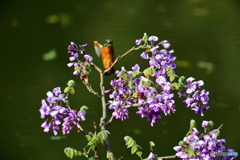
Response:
column 111, row 71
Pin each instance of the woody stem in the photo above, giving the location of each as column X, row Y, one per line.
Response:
column 118, row 58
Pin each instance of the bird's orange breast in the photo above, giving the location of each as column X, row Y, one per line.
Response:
column 107, row 57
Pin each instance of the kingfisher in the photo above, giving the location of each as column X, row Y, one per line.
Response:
column 107, row 53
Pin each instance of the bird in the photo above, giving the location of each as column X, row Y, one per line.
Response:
column 107, row 52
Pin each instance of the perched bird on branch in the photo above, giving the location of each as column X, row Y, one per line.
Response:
column 107, row 52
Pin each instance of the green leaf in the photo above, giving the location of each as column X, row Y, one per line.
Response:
column 210, row 126
column 78, row 69
column 136, row 73
column 71, row 83
column 70, row 152
column 101, row 136
column 134, row 149
column 192, row 124
column 180, row 143
column 79, row 153
column 169, row 69
column 181, row 79
column 152, row 143
column 139, row 153
column 90, row 143
column 127, row 138
column 190, row 153
column 72, row 90
column 148, row 72
column 146, row 83
column 67, row 89
column 84, row 108
column 130, row 143
column 172, row 77
column 123, row 75
column 148, row 50
column 88, row 137
column 109, row 155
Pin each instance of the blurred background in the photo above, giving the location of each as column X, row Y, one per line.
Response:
column 205, row 36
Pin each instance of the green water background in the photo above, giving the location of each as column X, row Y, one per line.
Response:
column 205, row 36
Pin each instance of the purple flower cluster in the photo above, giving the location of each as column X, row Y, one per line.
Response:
column 151, row 156
column 73, row 119
column 198, row 146
column 198, row 100
column 131, row 88
column 79, row 67
column 51, row 107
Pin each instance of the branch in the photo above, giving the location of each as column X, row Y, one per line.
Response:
column 220, row 127
column 165, row 157
column 136, row 105
column 118, row 58
column 80, row 130
column 110, row 121
column 89, row 87
column 102, row 124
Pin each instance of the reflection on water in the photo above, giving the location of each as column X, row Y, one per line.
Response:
column 205, row 36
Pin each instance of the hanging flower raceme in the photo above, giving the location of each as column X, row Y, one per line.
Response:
column 198, row 145
column 79, row 66
column 53, row 110
column 196, row 99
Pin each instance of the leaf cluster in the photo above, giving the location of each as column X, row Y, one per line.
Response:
column 134, row 146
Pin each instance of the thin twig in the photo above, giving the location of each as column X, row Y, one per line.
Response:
column 136, row 105
column 118, row 58
column 80, row 130
column 165, row 157
column 89, row 87
column 220, row 127
column 110, row 121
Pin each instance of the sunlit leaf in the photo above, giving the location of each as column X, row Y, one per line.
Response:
column 71, row 83
column 88, row 137
column 180, row 143
column 148, row 50
column 136, row 73
column 109, row 155
column 101, row 136
column 152, row 143
column 72, row 90
column 67, row 89
column 139, row 153
column 84, row 108
column 134, row 149
column 172, row 77
column 148, row 72
column 176, row 85
column 123, row 75
column 70, row 152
